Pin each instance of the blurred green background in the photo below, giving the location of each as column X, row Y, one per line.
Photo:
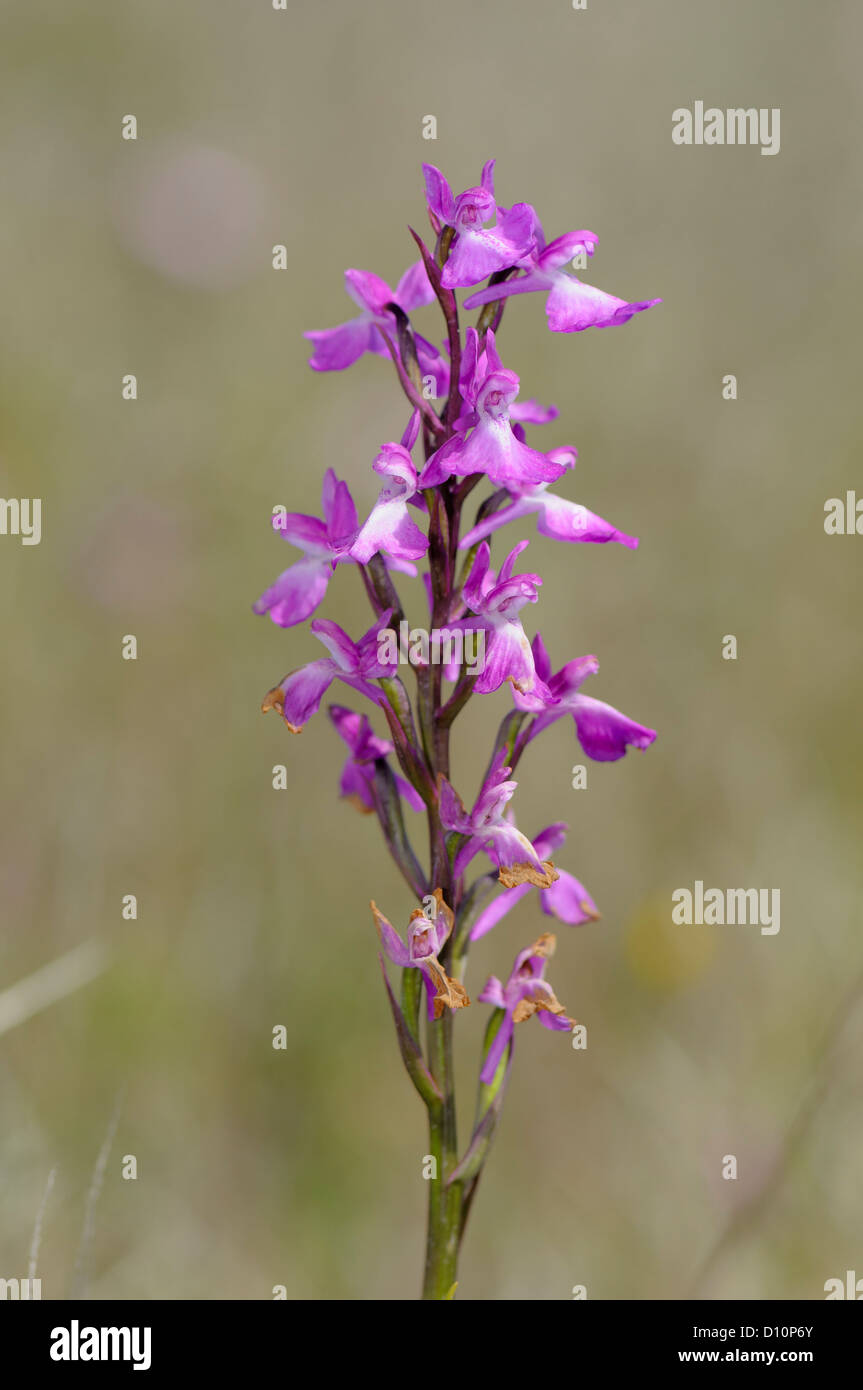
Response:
column 303, row 1167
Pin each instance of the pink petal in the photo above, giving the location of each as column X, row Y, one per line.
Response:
column 550, row 839
column 389, row 527
column 438, row 194
column 492, row 448
column 541, row 659
column 556, row 1023
column 564, row 248
column 305, row 532
column 492, row 991
column 410, row 794
column 521, row 284
column 496, row 911
column 502, row 1039
column 354, row 784
column 368, row 290
column 573, row 306
column 338, row 505
column 337, row 642
column 572, row 676
column 603, row 732
column 522, row 506
column 568, row 900
column 511, row 847
column 563, row 520
column 297, row 592
column 532, row 413
column 303, row 690
column 338, row 348
column 414, row 288
column 392, row 942
column 452, row 813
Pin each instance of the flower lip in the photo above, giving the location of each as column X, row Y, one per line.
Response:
column 473, row 208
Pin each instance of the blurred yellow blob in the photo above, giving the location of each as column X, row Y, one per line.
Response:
column 664, row 955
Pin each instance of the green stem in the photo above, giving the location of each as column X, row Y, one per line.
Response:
column 444, row 1213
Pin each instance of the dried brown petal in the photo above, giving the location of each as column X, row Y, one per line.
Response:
column 512, row 875
column 442, row 907
column 525, row 1008
column 550, row 1003
column 275, row 699
column 545, row 945
column 379, row 917
column 451, row 994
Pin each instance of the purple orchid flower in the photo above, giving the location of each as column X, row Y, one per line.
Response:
column 358, row 775
column 489, row 829
column 389, row 527
column 338, row 348
column 525, row 993
column 495, row 601
column 603, row 732
column 300, row 589
column 571, row 306
column 557, row 517
column 427, row 935
column 491, row 446
column 298, row 696
column 477, row 251
column 567, row 899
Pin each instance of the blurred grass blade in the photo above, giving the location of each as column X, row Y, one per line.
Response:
column 52, row 983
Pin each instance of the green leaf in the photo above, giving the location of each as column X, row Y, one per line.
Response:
column 411, row 1055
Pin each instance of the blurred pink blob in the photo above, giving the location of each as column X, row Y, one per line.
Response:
column 195, row 214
